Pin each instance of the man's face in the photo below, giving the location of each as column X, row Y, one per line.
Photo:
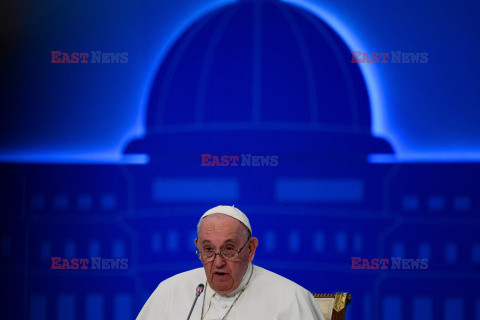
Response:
column 217, row 232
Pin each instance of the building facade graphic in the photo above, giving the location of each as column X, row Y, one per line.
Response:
column 256, row 80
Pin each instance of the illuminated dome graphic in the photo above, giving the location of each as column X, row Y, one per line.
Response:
column 259, row 76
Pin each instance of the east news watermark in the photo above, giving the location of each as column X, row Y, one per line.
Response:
column 389, row 57
column 394, row 263
column 92, row 263
column 243, row 160
column 98, row 57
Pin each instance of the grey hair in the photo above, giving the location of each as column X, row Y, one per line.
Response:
column 246, row 231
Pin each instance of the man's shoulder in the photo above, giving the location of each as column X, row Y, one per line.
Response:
column 268, row 278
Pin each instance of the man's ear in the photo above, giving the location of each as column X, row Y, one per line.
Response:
column 196, row 241
column 252, row 246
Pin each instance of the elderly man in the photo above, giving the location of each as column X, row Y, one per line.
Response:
column 234, row 288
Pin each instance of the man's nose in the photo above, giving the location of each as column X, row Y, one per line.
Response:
column 218, row 260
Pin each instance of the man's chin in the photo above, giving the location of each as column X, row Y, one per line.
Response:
column 222, row 287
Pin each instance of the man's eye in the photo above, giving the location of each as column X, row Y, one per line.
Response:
column 208, row 249
column 229, row 249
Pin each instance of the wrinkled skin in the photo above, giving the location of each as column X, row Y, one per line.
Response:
column 217, row 232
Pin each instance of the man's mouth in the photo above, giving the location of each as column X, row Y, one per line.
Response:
column 220, row 274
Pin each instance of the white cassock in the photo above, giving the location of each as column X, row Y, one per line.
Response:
column 267, row 296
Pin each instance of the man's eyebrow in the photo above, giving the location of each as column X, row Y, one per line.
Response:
column 228, row 240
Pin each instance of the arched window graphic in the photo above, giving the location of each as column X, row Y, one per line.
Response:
column 256, row 75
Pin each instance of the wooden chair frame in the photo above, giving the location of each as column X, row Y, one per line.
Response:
column 340, row 303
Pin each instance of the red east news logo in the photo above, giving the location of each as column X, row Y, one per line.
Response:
column 389, row 57
column 392, row 263
column 93, row 263
column 83, row 57
column 248, row 160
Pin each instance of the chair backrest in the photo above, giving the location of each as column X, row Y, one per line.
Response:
column 333, row 305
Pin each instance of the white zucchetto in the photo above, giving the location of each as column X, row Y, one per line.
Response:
column 232, row 212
